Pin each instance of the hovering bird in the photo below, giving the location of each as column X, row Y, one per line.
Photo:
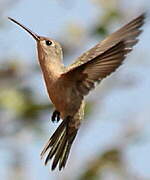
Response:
column 67, row 86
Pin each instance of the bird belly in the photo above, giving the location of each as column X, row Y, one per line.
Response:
column 65, row 99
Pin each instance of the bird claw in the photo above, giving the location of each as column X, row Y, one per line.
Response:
column 56, row 116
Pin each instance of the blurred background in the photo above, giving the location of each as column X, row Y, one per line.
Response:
column 114, row 140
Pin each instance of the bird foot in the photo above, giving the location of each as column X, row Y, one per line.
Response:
column 56, row 116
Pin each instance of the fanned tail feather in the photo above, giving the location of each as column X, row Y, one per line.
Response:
column 59, row 145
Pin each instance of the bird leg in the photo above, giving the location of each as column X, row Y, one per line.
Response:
column 56, row 116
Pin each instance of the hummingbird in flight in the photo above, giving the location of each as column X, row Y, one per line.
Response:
column 67, row 86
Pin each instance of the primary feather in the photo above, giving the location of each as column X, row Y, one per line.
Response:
column 105, row 57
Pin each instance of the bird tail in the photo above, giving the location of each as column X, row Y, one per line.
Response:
column 59, row 145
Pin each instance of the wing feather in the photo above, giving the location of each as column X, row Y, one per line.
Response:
column 129, row 31
column 105, row 57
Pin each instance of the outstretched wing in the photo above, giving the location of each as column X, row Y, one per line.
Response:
column 129, row 31
column 105, row 57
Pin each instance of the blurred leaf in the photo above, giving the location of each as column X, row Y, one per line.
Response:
column 8, row 69
column 89, row 106
column 107, row 18
column 101, row 30
column 12, row 99
column 107, row 5
column 111, row 158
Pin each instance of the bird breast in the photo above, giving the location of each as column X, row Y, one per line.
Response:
column 64, row 96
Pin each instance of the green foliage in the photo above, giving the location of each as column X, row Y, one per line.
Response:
column 102, row 27
column 111, row 158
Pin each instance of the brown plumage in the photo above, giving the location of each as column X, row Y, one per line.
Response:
column 67, row 86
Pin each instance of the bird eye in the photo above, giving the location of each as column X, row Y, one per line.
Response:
column 48, row 43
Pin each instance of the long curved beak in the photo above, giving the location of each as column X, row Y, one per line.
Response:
column 35, row 36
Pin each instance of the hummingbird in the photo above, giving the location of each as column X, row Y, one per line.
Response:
column 67, row 86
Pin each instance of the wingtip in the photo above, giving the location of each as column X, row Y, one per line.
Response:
column 143, row 16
